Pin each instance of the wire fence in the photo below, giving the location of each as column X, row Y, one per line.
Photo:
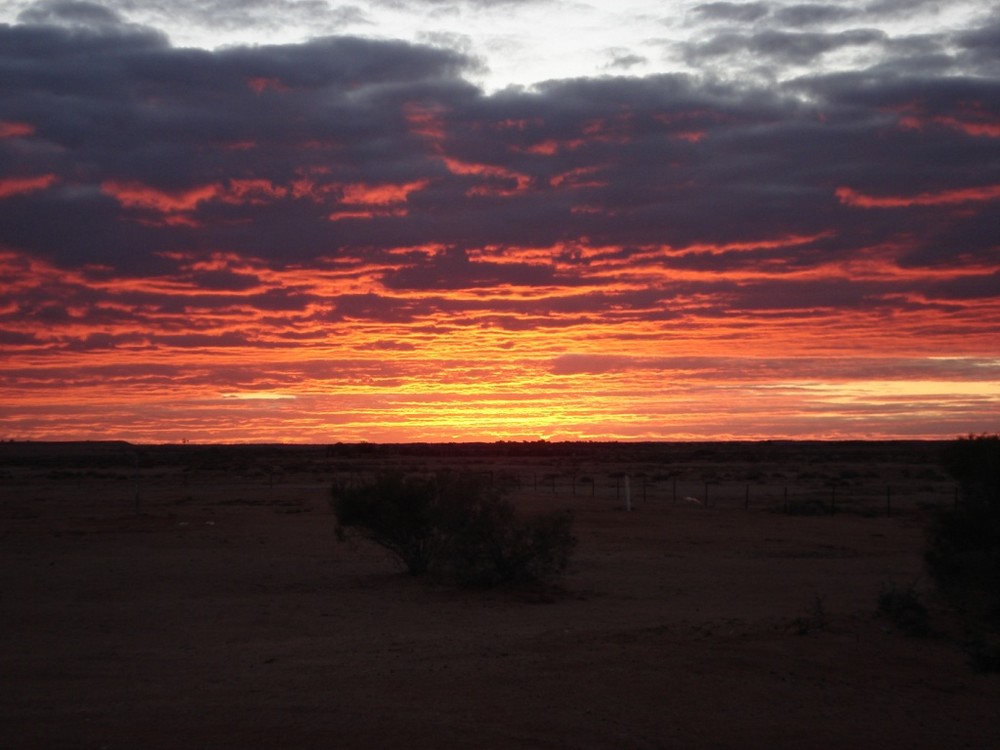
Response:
column 796, row 498
column 806, row 494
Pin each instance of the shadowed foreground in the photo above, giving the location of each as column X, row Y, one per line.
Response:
column 225, row 616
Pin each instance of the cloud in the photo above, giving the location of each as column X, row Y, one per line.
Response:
column 735, row 12
column 352, row 217
column 946, row 198
column 20, row 185
column 813, row 14
column 70, row 13
column 88, row 23
column 624, row 60
column 789, row 47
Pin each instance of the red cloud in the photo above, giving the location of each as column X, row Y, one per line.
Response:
column 137, row 195
column 237, row 192
column 552, row 147
column 577, row 178
column 691, row 136
column 380, row 195
column 521, row 181
column 255, row 192
column 15, row 129
column 17, row 185
column 851, row 197
column 262, row 84
column 425, row 122
column 972, row 120
column 366, row 214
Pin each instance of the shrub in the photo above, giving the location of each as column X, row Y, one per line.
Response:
column 401, row 514
column 963, row 543
column 455, row 526
column 814, row 620
column 903, row 608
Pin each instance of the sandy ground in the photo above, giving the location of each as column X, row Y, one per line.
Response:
column 225, row 615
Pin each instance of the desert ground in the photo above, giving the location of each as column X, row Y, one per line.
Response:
column 196, row 597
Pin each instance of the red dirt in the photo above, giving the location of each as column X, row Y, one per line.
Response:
column 226, row 616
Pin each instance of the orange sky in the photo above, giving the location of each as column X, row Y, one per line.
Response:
column 253, row 245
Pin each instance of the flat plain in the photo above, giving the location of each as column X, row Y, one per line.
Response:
column 720, row 596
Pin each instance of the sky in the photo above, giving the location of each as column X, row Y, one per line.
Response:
column 449, row 220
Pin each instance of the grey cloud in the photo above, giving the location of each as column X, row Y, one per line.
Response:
column 794, row 47
column 275, row 137
column 71, row 14
column 625, row 60
column 981, row 47
column 813, row 14
column 234, row 15
column 735, row 12
column 888, row 8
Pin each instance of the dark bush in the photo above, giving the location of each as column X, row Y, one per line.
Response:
column 402, row 514
column 963, row 543
column 904, row 609
column 489, row 545
column 455, row 526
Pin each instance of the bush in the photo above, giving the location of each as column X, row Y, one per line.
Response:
column 963, row 543
column 455, row 526
column 401, row 514
column 904, row 609
column 814, row 620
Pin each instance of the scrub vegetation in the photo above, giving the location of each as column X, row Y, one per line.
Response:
column 963, row 550
column 454, row 526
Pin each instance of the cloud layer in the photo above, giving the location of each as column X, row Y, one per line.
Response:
column 344, row 238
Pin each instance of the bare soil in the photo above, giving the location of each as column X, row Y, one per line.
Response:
column 200, row 600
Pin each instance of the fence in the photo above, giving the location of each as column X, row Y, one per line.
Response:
column 796, row 498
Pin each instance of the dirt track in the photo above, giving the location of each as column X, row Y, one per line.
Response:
column 229, row 618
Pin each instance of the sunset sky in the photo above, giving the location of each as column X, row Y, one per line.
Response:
column 436, row 220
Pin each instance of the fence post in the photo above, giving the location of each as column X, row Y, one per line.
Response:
column 746, row 504
column 888, row 501
column 675, row 492
column 138, row 509
column 833, row 500
column 706, row 494
column 786, row 500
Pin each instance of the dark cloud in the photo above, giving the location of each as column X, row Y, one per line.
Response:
column 889, row 8
column 221, row 175
column 615, row 160
column 785, row 46
column 733, row 12
column 323, row 16
column 70, row 14
column 982, row 46
column 624, row 60
column 452, row 269
column 813, row 14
